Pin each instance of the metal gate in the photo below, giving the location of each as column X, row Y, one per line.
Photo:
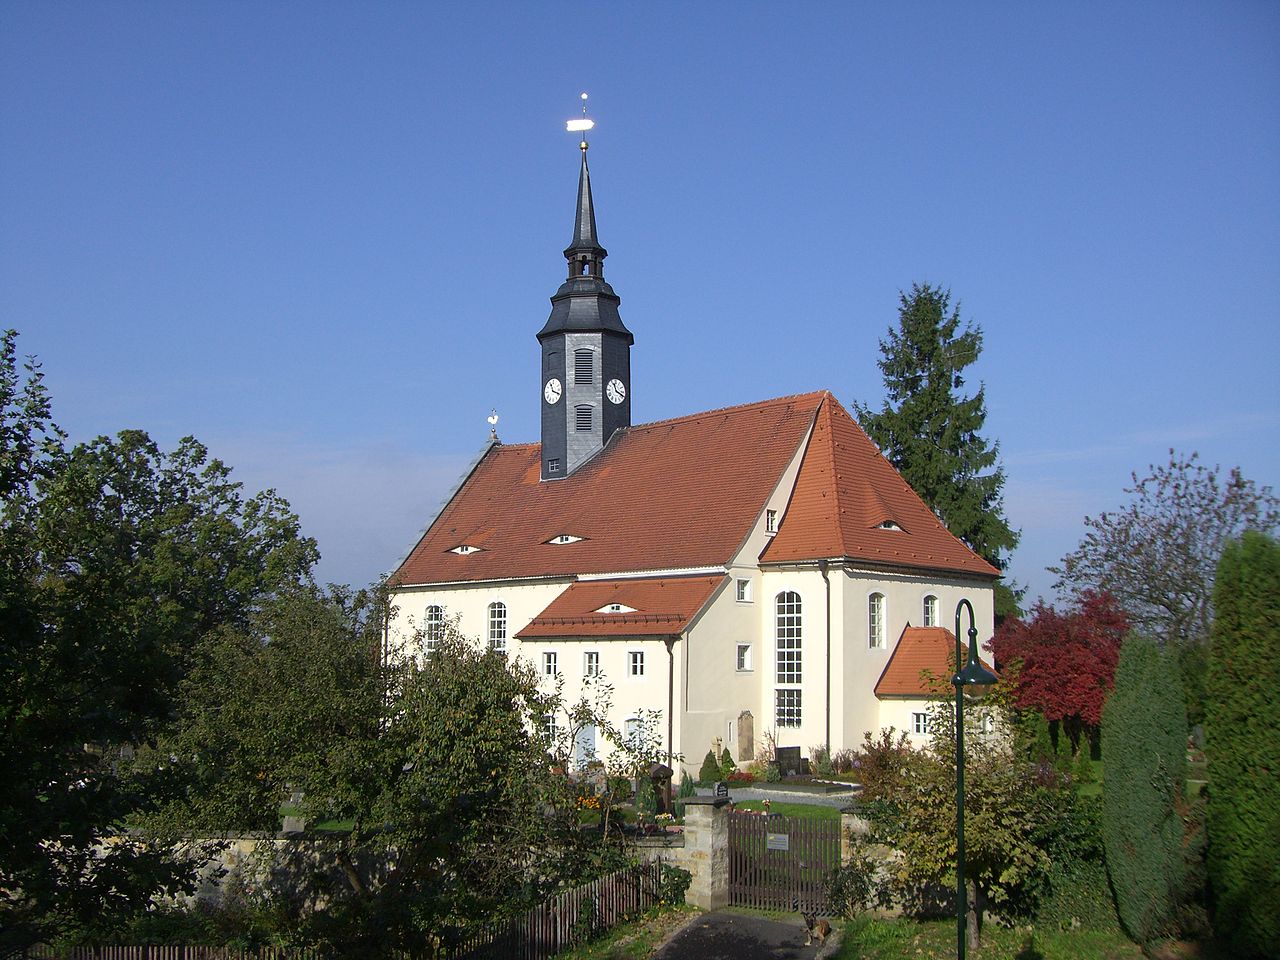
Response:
column 776, row 862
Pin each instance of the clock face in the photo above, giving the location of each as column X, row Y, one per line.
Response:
column 615, row 391
column 552, row 390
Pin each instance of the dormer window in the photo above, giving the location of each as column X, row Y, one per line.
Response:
column 888, row 525
column 771, row 521
column 464, row 548
column 565, row 538
column 616, row 608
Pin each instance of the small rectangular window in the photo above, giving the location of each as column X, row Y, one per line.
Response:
column 787, row 707
column 553, row 465
column 583, row 366
column 744, row 657
column 549, row 727
column 583, row 418
column 744, row 591
column 550, row 663
column 771, row 521
column 635, row 663
column 931, row 611
column 591, row 664
column 919, row 723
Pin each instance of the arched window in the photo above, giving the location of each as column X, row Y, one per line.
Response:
column 875, row 621
column 931, row 611
column 434, row 627
column 498, row 627
column 788, row 635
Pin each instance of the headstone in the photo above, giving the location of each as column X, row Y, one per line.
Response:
column 788, row 760
column 660, row 774
column 746, row 736
column 722, row 789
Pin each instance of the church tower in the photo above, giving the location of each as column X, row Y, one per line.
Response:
column 586, row 352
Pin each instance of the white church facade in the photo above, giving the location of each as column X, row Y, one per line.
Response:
column 750, row 571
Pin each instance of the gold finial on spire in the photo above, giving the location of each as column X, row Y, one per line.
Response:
column 581, row 126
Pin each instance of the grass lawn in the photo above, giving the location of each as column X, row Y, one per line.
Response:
column 813, row 811
column 870, row 938
column 635, row 940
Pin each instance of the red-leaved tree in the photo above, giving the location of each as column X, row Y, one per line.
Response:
column 1066, row 661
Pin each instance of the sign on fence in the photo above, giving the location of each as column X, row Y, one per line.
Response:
column 778, row 841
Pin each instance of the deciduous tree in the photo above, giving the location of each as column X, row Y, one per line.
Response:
column 1242, row 741
column 931, row 432
column 1065, row 662
column 1158, row 553
column 115, row 557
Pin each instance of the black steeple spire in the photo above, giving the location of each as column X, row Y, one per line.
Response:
column 586, row 348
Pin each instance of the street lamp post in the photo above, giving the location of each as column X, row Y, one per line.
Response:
column 976, row 677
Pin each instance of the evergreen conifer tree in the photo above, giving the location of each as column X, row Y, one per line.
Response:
column 1242, row 742
column 930, row 431
column 1144, row 745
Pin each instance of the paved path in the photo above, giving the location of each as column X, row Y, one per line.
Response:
column 729, row 935
column 785, row 796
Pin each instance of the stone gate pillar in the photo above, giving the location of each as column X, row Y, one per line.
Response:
column 706, row 851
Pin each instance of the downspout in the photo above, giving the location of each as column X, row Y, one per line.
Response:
column 822, row 568
column 671, row 693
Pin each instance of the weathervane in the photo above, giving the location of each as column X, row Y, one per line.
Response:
column 582, row 125
column 493, row 424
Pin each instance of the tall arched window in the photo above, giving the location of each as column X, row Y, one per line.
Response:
column 498, row 627
column 788, row 635
column 931, row 611
column 875, row 621
column 434, row 627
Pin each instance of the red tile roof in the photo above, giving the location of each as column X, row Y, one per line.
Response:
column 917, row 650
column 676, row 494
column 684, row 494
column 663, row 606
column 845, row 490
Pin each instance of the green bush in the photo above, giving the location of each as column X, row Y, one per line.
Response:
column 1242, row 740
column 710, row 772
column 727, row 766
column 1144, row 736
column 646, row 799
column 773, row 772
column 673, row 883
column 683, row 792
column 852, row 888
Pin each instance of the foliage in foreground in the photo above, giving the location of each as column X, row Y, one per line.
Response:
column 1243, row 742
column 873, row 938
column 1144, row 742
column 115, row 559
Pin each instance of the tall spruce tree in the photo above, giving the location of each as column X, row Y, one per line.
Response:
column 931, row 432
column 1243, row 745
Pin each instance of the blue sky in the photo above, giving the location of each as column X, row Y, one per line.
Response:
column 321, row 237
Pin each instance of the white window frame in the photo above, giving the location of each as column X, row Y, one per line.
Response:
column 635, row 664
column 591, row 663
column 930, row 611
column 771, row 522
column 742, row 586
column 919, row 722
column 434, row 627
column 876, row 616
column 498, row 626
column 788, row 636
column 742, row 658
column 550, row 728
column 550, row 663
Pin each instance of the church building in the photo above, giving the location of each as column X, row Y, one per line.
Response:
column 752, row 572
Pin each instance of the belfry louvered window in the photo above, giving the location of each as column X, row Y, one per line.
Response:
column 583, row 418
column 583, row 366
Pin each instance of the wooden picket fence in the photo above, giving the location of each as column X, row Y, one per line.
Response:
column 570, row 917
column 564, row 920
column 172, row 953
column 778, row 862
